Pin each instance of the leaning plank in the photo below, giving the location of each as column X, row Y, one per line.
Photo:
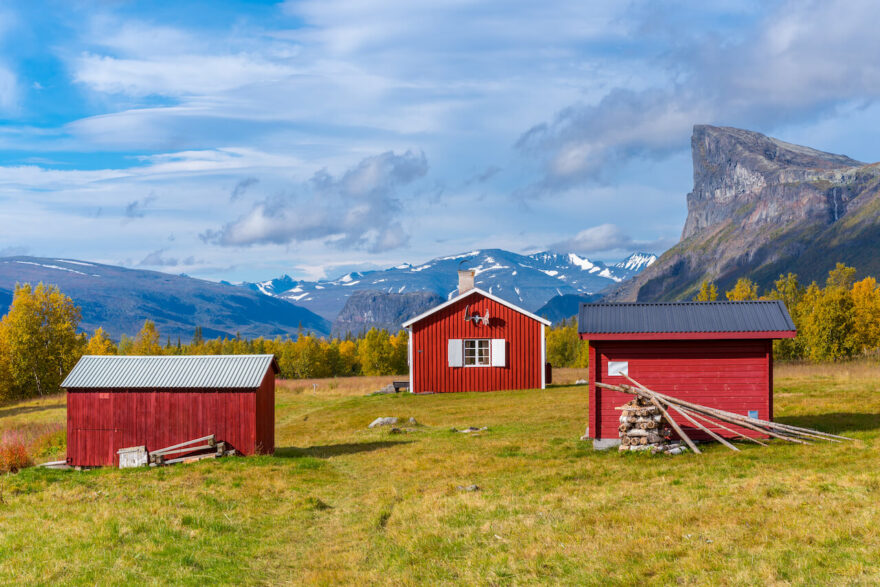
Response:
column 720, row 425
column 721, row 413
column 704, row 429
column 726, row 416
column 675, row 426
column 209, row 439
column 211, row 455
column 184, row 450
column 689, row 419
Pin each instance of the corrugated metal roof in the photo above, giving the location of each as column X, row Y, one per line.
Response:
column 663, row 317
column 157, row 372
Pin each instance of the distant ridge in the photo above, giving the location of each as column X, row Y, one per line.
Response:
column 120, row 299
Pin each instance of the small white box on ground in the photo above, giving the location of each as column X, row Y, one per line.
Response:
column 136, row 456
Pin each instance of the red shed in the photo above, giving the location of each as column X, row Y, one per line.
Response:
column 476, row 342
column 717, row 354
column 119, row 402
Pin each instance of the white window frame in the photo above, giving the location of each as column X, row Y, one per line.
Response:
column 476, row 349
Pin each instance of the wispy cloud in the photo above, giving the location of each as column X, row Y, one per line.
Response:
column 606, row 238
column 241, row 187
column 137, row 208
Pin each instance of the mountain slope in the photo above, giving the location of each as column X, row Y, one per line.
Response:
column 119, row 300
column 565, row 306
column 367, row 309
column 761, row 207
column 529, row 281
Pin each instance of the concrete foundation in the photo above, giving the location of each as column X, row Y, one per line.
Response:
column 605, row 443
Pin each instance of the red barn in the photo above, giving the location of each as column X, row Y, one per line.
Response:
column 476, row 342
column 120, row 402
column 717, row 354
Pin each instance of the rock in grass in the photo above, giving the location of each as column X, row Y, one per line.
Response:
column 385, row 390
column 387, row 421
column 468, row 488
column 580, row 382
column 412, row 422
column 471, row 429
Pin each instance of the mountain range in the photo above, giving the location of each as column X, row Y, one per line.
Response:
column 761, row 207
column 530, row 281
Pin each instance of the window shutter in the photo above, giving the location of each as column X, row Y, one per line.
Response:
column 455, row 353
column 499, row 352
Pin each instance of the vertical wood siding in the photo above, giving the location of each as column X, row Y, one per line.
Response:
column 101, row 421
column 430, row 336
column 731, row 375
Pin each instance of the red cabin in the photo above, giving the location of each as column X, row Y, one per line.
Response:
column 121, row 402
column 717, row 354
column 476, row 342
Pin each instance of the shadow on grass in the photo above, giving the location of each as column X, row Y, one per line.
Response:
column 15, row 411
column 335, row 450
column 835, row 422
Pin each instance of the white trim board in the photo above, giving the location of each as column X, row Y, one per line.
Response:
column 476, row 290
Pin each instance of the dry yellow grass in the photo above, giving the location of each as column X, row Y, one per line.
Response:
column 341, row 503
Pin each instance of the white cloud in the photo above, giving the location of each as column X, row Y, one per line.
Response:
column 358, row 210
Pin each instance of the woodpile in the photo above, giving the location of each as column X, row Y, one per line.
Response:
column 642, row 427
column 643, row 423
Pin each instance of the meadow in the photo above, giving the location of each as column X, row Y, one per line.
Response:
column 341, row 503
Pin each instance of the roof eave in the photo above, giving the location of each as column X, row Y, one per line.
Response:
column 753, row 335
column 459, row 297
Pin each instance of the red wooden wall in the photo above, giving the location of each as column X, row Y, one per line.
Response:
column 100, row 422
column 731, row 375
column 431, row 371
column 265, row 439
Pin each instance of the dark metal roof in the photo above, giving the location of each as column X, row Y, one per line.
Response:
column 161, row 372
column 679, row 317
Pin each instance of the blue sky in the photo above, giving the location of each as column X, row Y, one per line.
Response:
column 242, row 140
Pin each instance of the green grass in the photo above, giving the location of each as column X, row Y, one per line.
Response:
column 340, row 503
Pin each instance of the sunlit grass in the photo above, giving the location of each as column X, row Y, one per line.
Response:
column 343, row 503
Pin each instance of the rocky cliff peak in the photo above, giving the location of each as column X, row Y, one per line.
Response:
column 732, row 167
column 760, row 207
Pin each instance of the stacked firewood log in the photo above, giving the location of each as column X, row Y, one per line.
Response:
column 642, row 427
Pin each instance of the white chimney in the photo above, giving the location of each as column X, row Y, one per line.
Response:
column 465, row 281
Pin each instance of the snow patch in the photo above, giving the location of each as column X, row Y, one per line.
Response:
column 581, row 262
column 52, row 267
column 75, row 262
column 463, row 255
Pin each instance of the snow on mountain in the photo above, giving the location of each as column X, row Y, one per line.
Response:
column 529, row 281
column 636, row 262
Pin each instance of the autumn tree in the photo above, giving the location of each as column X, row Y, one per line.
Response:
column 744, row 289
column 147, row 340
column 400, row 353
column 39, row 340
column 349, row 363
column 708, row 292
column 791, row 293
column 375, row 353
column 100, row 344
column 866, row 314
column 826, row 323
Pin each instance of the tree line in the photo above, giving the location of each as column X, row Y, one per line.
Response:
column 836, row 322
column 40, row 343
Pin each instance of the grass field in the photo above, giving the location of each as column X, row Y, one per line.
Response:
column 340, row 503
